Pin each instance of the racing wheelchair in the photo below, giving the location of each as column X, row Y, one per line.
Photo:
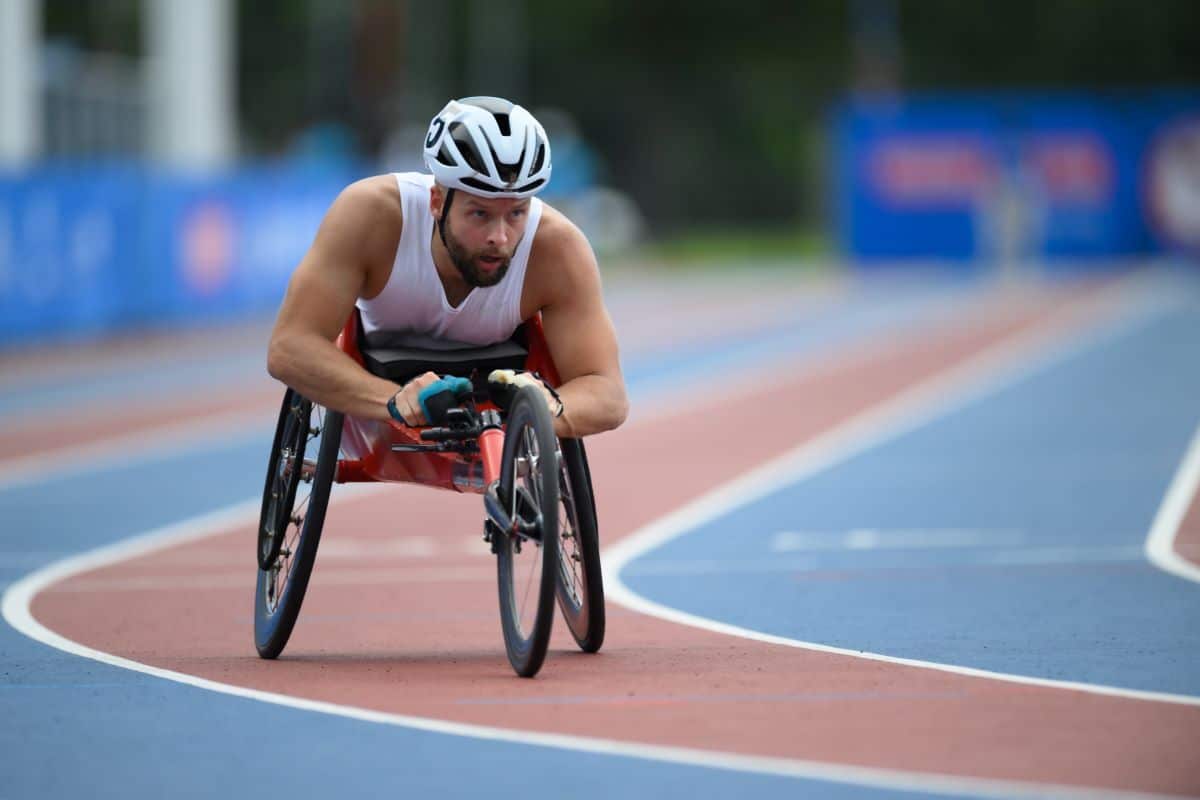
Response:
column 493, row 440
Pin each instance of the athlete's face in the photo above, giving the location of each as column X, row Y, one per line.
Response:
column 482, row 234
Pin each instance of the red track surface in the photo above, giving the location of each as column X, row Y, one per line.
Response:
column 421, row 636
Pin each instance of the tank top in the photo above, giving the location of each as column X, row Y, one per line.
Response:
column 413, row 308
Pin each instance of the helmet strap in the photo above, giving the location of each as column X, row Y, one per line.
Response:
column 441, row 223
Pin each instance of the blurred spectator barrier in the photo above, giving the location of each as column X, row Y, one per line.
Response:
column 87, row 249
column 91, row 249
column 1002, row 179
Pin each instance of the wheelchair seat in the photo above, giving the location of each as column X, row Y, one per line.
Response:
column 385, row 356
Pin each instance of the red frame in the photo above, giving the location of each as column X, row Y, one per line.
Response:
column 368, row 442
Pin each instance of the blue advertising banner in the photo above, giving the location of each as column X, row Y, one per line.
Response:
column 88, row 249
column 985, row 178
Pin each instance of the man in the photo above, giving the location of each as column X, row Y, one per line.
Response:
column 461, row 256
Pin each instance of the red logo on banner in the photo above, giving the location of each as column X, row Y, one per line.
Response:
column 1071, row 167
column 931, row 169
column 207, row 245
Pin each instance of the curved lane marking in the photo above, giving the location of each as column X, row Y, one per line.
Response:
column 19, row 597
column 1006, row 363
column 1160, row 544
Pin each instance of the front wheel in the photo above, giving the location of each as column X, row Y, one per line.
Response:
column 293, row 513
column 527, row 556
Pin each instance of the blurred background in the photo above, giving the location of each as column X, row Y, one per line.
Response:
column 167, row 161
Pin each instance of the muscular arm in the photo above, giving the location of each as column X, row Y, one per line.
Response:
column 581, row 337
column 360, row 227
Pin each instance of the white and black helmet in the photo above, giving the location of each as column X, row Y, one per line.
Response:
column 488, row 146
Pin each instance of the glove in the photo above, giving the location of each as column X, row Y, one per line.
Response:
column 504, row 383
column 442, row 395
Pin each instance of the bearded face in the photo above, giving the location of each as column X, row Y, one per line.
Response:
column 482, row 268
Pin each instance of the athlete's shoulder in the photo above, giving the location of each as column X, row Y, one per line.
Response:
column 365, row 221
column 560, row 239
column 374, row 198
column 562, row 266
column 417, row 180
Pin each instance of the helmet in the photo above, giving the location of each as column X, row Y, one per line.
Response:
column 488, row 146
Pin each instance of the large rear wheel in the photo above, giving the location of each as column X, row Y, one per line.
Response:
column 300, row 475
column 580, row 583
column 527, row 557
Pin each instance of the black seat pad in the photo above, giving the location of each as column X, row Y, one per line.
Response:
column 400, row 364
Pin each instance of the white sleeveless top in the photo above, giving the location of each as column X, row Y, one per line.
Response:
column 414, row 304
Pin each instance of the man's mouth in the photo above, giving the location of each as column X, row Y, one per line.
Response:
column 491, row 262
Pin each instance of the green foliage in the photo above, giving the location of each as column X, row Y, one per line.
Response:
column 1065, row 43
column 103, row 27
column 700, row 110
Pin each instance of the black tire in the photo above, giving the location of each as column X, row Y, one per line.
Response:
column 279, row 591
column 527, row 566
column 581, row 583
column 279, row 493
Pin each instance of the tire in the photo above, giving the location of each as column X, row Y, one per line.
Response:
column 279, row 493
column 280, row 588
column 580, row 583
column 527, row 566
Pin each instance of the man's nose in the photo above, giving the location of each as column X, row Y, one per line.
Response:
column 498, row 234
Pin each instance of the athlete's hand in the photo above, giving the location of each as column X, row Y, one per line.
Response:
column 408, row 401
column 501, row 379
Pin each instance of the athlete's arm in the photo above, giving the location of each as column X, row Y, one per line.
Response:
column 579, row 333
column 361, row 227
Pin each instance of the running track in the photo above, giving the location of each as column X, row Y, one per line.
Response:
column 908, row 553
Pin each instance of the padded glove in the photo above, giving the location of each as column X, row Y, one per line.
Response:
column 504, row 383
column 442, row 395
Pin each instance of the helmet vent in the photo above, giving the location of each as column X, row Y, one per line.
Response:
column 475, row 183
column 466, row 146
column 507, row 172
column 505, row 127
column 529, row 187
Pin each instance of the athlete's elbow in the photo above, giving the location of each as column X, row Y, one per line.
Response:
column 279, row 360
column 618, row 412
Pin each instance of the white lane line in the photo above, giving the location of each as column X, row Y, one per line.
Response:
column 894, row 539
column 16, row 609
column 1032, row 557
column 1122, row 308
column 1160, row 544
column 341, row 548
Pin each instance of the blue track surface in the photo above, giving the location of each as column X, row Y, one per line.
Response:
column 1006, row 536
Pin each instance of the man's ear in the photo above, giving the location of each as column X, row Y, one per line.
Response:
column 437, row 196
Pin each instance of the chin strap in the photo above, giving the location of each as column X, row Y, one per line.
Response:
column 441, row 223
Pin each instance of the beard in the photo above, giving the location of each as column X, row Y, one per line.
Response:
column 468, row 263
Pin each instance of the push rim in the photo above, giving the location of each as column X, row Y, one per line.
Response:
column 280, row 570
